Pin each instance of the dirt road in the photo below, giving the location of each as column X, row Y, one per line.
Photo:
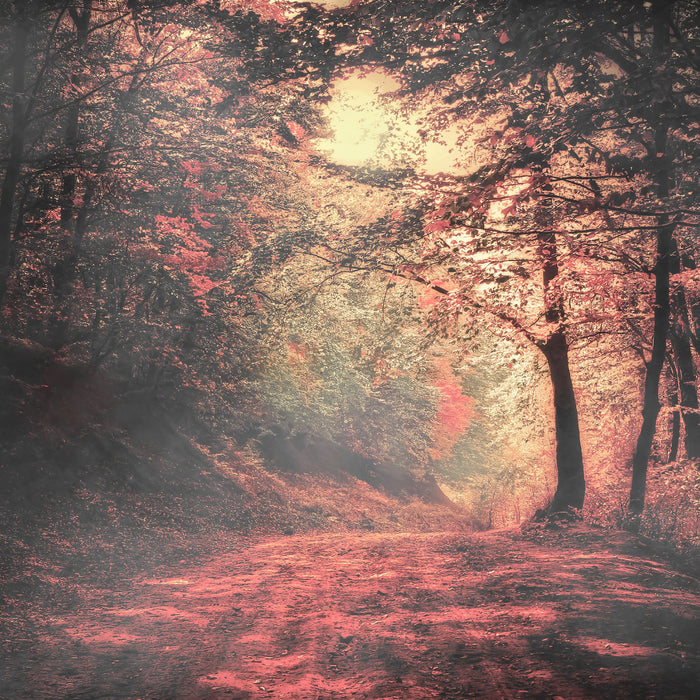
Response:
column 403, row 616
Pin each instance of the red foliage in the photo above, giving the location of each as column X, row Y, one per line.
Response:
column 297, row 351
column 297, row 130
column 430, row 297
column 435, row 226
column 454, row 413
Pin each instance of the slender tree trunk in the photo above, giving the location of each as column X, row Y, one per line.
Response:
column 688, row 393
column 687, row 312
column 16, row 151
column 65, row 272
column 650, row 410
column 682, row 350
column 70, row 178
column 675, row 435
column 675, row 414
column 665, row 246
column 694, row 314
column 81, row 22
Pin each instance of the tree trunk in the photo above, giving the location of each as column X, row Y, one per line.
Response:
column 688, row 392
column 81, row 21
column 675, row 415
column 65, row 271
column 650, row 410
column 661, row 12
column 682, row 350
column 675, row 436
column 571, row 485
column 690, row 311
column 16, row 151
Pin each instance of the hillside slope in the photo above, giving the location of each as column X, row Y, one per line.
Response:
column 90, row 465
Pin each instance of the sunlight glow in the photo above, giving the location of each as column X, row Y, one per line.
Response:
column 446, row 155
column 367, row 128
column 360, row 124
column 358, row 131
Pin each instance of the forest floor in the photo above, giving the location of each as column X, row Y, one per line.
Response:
column 579, row 613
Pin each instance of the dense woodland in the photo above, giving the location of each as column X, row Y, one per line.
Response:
column 434, row 245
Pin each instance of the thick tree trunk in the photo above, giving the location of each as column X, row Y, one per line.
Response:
column 16, row 151
column 571, row 485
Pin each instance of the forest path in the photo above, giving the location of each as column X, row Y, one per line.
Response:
column 405, row 616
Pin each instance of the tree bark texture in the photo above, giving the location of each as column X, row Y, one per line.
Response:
column 650, row 410
column 81, row 21
column 675, row 436
column 571, row 485
column 688, row 393
column 665, row 245
column 672, row 377
column 66, row 270
column 683, row 354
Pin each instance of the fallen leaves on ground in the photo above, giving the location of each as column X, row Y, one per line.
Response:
column 368, row 615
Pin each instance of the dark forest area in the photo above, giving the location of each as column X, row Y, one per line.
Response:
column 378, row 319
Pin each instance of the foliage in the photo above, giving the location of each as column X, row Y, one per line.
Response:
column 169, row 219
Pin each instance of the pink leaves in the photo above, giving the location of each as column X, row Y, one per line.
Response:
column 436, row 226
column 192, row 167
column 190, row 253
column 200, row 284
column 213, row 195
column 182, row 229
column 511, row 209
column 297, row 131
column 53, row 215
column 429, row 298
column 297, row 351
column 201, row 218
column 455, row 411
